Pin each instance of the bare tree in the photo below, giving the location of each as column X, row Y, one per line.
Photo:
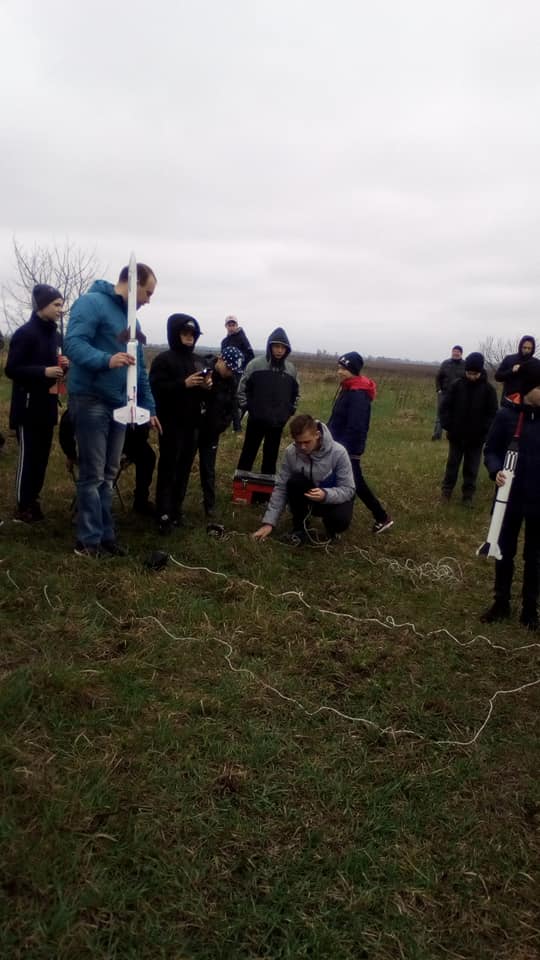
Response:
column 68, row 268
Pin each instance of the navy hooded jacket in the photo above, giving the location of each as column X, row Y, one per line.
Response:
column 33, row 347
column 351, row 414
column 525, row 490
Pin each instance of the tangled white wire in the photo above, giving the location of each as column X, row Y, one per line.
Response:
column 387, row 622
column 446, row 570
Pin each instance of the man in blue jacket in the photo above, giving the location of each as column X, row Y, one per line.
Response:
column 96, row 335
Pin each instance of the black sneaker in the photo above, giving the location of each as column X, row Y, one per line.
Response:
column 165, row 525
column 496, row 612
column 23, row 516
column 113, row 549
column 529, row 619
column 90, row 550
column 295, row 539
column 381, row 525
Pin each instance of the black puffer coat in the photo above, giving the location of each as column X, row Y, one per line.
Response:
column 468, row 409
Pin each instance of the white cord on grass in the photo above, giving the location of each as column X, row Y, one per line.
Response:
column 388, row 623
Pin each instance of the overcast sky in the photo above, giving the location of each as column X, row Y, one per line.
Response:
column 365, row 174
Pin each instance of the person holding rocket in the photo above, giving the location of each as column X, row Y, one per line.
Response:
column 519, row 419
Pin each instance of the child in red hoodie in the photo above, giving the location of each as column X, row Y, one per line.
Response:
column 349, row 425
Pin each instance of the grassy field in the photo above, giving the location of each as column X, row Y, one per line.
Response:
column 262, row 752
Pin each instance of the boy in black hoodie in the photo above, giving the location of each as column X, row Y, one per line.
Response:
column 35, row 366
column 269, row 392
column 521, row 417
column 179, row 385
column 467, row 412
column 508, row 372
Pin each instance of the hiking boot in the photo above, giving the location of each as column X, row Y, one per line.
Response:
column 529, row 619
column 500, row 610
column 90, row 550
column 381, row 525
column 113, row 549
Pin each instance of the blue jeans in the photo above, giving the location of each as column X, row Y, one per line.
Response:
column 100, row 441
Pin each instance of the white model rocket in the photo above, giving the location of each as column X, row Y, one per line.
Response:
column 131, row 413
column 491, row 546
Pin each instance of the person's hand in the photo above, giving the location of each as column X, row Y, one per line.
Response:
column 63, row 362
column 500, row 478
column 515, row 368
column 53, row 373
column 316, row 494
column 121, row 360
column 194, row 380
column 207, row 382
column 154, row 422
column 263, row 532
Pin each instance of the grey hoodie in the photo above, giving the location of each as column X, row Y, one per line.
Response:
column 328, row 467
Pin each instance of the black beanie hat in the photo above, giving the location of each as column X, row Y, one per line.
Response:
column 352, row 362
column 43, row 295
column 474, row 362
column 529, row 375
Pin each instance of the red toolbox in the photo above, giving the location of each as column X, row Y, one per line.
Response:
column 252, row 487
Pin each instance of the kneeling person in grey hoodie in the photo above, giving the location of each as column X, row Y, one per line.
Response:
column 315, row 477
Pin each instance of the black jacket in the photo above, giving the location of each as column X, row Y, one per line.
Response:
column 269, row 388
column 468, row 409
column 241, row 342
column 448, row 372
column 33, row 347
column 218, row 408
column 177, row 406
column 505, row 374
column 525, row 491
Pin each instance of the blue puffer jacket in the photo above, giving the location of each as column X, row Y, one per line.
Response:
column 525, row 492
column 98, row 329
column 349, row 420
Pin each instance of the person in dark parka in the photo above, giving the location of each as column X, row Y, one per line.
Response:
column 34, row 365
column 237, row 338
column 179, row 387
column 218, row 410
column 269, row 392
column 524, row 500
column 466, row 414
column 508, row 371
column 449, row 371
column 349, row 425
